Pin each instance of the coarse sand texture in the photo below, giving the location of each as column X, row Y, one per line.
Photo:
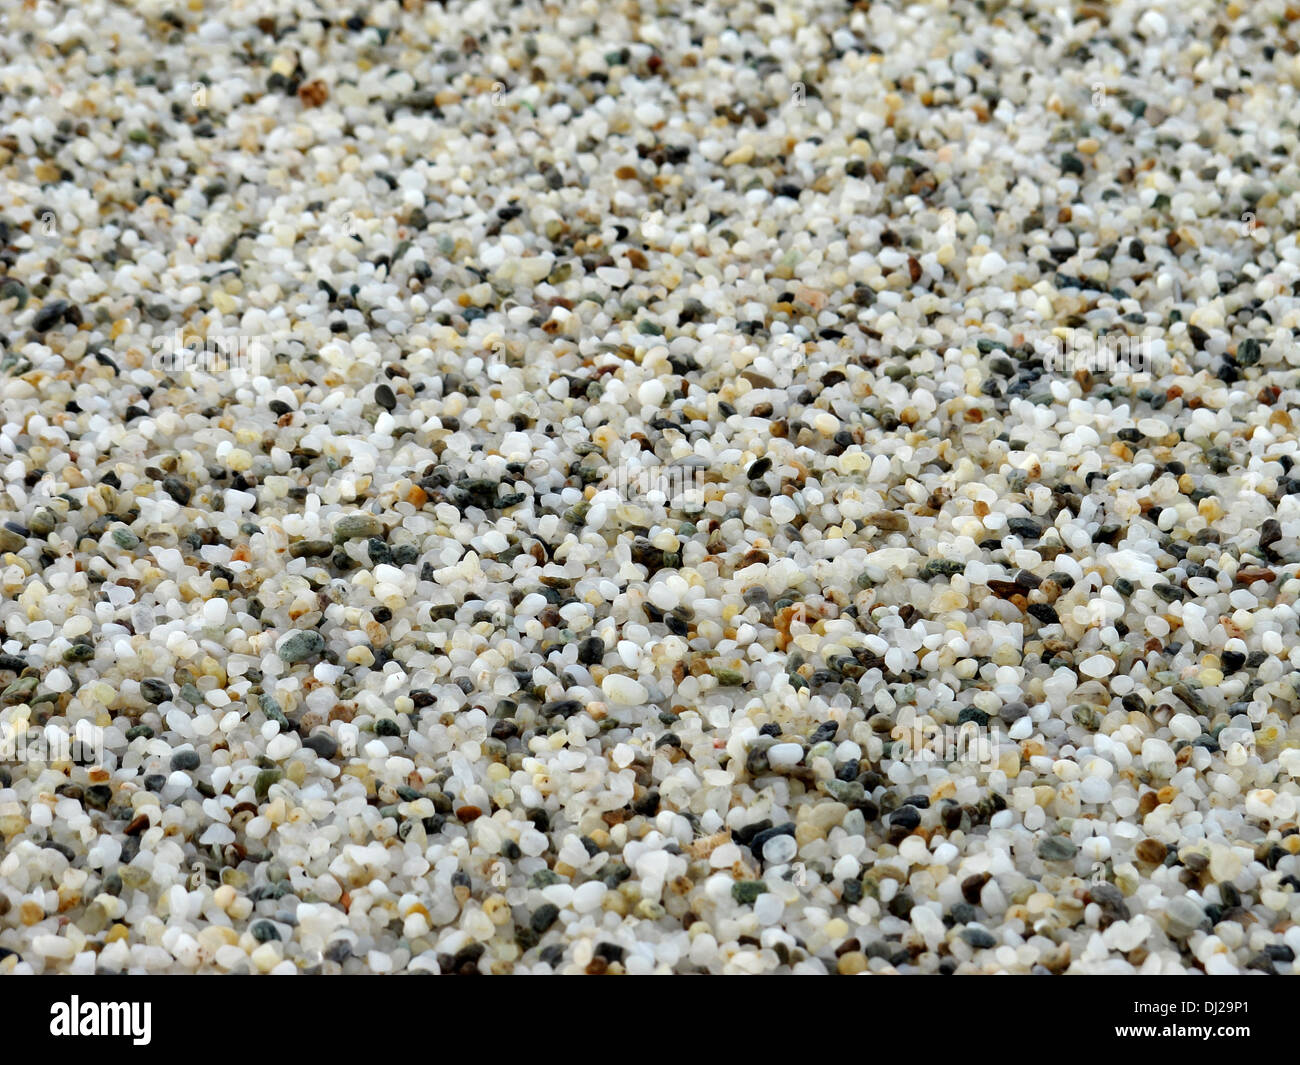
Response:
column 602, row 486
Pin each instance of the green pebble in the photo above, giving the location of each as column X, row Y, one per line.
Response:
column 1056, row 849
column 357, row 527
column 273, row 712
column 544, row 878
column 310, row 549
column 19, row 690
column 946, row 567
column 43, row 522
column 11, row 541
column 301, row 645
column 264, row 780
column 746, row 891
column 847, row 792
column 13, row 289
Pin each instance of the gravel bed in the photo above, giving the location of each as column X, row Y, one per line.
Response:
column 613, row 487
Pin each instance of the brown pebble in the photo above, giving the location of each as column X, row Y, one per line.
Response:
column 314, row 93
column 973, row 885
column 848, row 945
column 469, row 813
column 1057, row 960
column 1249, row 575
column 1151, row 850
column 888, row 521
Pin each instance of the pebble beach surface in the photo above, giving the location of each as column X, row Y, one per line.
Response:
column 502, row 487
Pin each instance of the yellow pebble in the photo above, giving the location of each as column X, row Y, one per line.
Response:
column 1209, row 509
column 852, row 963
column 740, row 156
column 497, row 909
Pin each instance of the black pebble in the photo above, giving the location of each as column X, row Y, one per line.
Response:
column 323, row 744
column 905, row 817
column 48, row 316
column 185, row 760
column 265, row 932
